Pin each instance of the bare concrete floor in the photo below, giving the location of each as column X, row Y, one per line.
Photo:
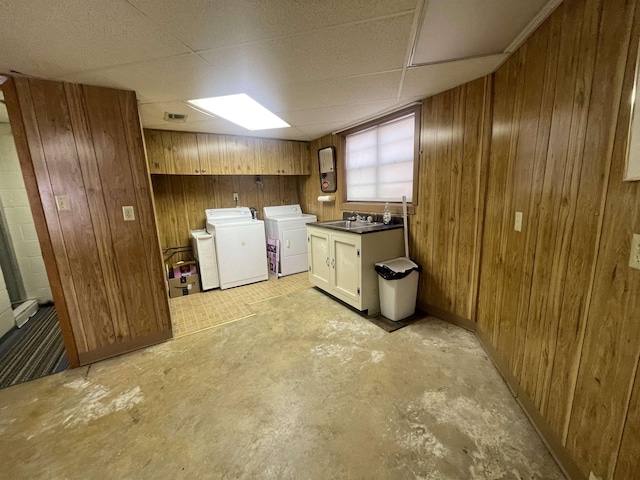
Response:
column 305, row 389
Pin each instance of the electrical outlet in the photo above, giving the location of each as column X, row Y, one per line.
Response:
column 634, row 260
column 518, row 224
column 127, row 213
column 235, row 196
column 62, row 202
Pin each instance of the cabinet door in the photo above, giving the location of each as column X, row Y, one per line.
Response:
column 211, row 153
column 302, row 164
column 268, row 156
column 184, row 149
column 319, row 261
column 155, row 154
column 282, row 157
column 345, row 267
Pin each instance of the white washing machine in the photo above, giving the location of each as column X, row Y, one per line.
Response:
column 204, row 250
column 240, row 245
column 288, row 224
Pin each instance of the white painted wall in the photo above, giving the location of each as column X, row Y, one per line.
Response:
column 20, row 221
column 6, row 314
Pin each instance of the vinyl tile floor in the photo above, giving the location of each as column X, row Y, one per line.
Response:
column 204, row 310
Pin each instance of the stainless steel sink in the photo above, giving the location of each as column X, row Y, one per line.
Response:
column 357, row 226
column 348, row 223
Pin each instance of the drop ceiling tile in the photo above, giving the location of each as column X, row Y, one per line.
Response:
column 317, row 131
column 206, row 24
column 326, row 93
column 180, row 77
column 50, row 38
column 463, row 29
column 343, row 51
column 432, row 79
column 221, row 126
column 343, row 114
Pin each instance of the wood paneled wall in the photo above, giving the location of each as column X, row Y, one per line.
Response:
column 444, row 233
column 181, row 199
column 558, row 300
column 445, row 230
column 310, row 185
column 85, row 144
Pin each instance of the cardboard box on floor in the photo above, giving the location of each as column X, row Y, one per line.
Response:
column 184, row 268
column 179, row 287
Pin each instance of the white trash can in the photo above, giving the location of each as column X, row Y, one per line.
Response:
column 398, row 286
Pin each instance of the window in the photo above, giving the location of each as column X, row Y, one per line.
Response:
column 381, row 158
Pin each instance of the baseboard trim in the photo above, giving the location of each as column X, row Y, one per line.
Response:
column 25, row 311
column 550, row 439
column 507, row 376
column 448, row 316
column 124, row 347
column 546, row 434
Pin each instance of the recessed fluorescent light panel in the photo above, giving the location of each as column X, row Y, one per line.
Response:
column 240, row 109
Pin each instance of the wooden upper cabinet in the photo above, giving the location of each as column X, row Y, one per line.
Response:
column 211, row 154
column 283, row 157
column 155, row 154
column 172, row 153
column 185, row 153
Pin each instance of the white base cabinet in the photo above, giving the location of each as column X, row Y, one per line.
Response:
column 343, row 264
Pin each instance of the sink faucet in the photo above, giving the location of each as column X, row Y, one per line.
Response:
column 354, row 216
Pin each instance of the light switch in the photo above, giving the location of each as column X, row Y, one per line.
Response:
column 518, row 224
column 634, row 260
column 127, row 213
column 62, row 202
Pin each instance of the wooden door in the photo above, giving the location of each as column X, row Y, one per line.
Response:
column 82, row 146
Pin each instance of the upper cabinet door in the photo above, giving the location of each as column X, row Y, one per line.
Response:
column 184, row 154
column 211, row 154
column 155, row 153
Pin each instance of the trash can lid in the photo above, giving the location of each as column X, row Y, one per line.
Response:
column 399, row 265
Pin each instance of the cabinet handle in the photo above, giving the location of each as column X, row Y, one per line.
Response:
column 203, row 170
column 327, row 261
column 333, row 263
column 197, row 171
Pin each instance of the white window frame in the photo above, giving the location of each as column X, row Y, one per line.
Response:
column 378, row 206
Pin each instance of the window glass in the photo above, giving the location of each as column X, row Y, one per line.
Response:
column 379, row 162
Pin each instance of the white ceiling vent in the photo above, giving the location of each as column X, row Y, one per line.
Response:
column 175, row 117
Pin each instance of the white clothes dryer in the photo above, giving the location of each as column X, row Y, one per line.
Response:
column 240, row 245
column 288, row 224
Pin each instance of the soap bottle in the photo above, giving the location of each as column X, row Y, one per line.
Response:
column 386, row 216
